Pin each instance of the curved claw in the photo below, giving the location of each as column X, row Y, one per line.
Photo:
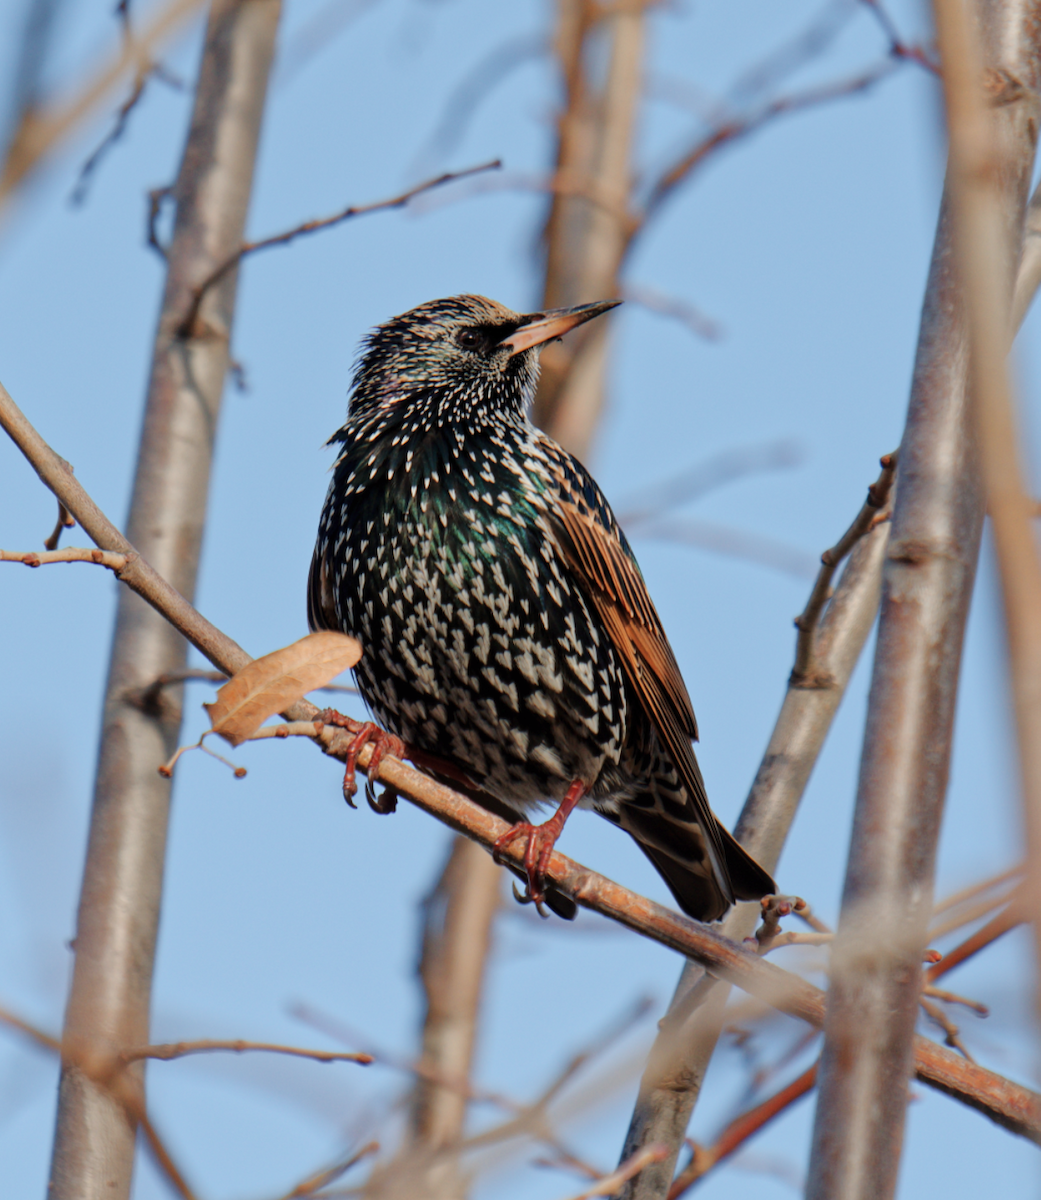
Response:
column 526, row 897
column 385, row 803
column 537, row 853
column 382, row 743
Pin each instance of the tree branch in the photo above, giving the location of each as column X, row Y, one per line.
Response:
column 680, row 1056
column 456, row 938
column 929, row 576
column 121, row 893
column 172, row 1050
column 979, row 159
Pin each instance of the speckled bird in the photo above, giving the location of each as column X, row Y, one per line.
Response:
column 509, row 640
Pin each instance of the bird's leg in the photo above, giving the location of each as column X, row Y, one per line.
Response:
column 541, row 840
column 364, row 733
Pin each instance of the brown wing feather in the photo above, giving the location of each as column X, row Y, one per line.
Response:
column 621, row 598
column 615, row 583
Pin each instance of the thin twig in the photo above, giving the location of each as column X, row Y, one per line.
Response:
column 688, row 315
column 128, row 1096
column 935, row 993
column 997, row 927
column 741, row 126
column 732, row 543
column 898, row 48
column 31, row 1031
column 40, row 132
column 706, row 476
column 704, row 1158
column 172, row 1050
column 79, row 192
column 975, row 889
column 320, row 1179
column 609, row 1184
column 805, row 671
column 64, row 521
column 41, row 558
column 952, row 1034
column 187, row 324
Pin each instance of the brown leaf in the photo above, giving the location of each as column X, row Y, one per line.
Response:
column 270, row 684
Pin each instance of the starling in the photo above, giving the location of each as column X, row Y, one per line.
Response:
column 510, row 643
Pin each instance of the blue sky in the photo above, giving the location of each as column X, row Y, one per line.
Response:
column 807, row 242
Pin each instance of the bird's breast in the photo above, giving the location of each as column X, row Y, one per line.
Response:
column 479, row 646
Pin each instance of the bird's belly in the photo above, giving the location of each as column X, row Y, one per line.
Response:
column 488, row 657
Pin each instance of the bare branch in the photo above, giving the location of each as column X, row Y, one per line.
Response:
column 124, row 1090
column 688, row 315
column 978, row 157
column 952, row 1034
column 679, row 1059
column 981, row 1010
column 733, row 543
column 1029, row 276
column 898, row 48
column 706, row 476
column 704, row 1158
column 997, row 927
column 586, row 228
column 119, row 126
column 31, row 1031
column 64, row 521
column 321, row 1179
column 41, row 131
column 457, row 922
column 172, row 1050
column 807, row 622
column 929, row 576
column 609, row 1184
column 741, row 126
column 121, row 893
column 39, row 558
column 188, row 322
column 1003, row 878
column 466, row 97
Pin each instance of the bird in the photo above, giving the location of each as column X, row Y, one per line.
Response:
column 510, row 644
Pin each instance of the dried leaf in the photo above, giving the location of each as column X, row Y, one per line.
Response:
column 270, row 684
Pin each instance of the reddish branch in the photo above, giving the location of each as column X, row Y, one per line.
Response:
column 1007, row 919
column 704, row 1158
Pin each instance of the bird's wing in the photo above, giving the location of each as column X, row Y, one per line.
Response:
column 321, row 607
column 610, row 577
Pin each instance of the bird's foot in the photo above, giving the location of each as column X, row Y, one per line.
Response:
column 382, row 742
column 539, row 849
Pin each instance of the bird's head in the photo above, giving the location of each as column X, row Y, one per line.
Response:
column 461, row 359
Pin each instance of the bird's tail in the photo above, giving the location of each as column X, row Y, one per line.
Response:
column 677, row 850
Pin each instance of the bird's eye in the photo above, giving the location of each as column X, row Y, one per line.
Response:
column 469, row 339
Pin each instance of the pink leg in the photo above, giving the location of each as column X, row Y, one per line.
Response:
column 541, row 840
